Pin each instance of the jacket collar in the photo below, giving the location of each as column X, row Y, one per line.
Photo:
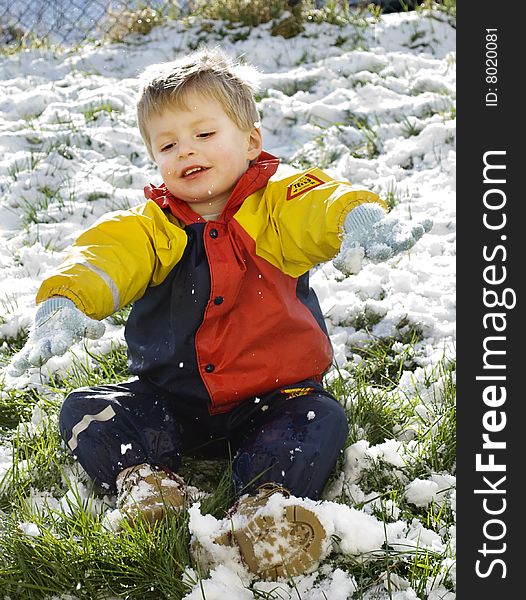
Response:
column 254, row 178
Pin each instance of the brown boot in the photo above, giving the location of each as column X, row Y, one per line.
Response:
column 145, row 492
column 273, row 543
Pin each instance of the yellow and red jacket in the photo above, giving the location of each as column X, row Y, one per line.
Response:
column 222, row 310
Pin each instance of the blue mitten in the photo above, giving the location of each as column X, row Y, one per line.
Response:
column 369, row 231
column 58, row 325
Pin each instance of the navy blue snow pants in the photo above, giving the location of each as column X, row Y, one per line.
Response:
column 291, row 436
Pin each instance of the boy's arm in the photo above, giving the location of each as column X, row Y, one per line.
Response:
column 302, row 220
column 109, row 266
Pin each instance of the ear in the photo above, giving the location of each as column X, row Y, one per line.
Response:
column 255, row 144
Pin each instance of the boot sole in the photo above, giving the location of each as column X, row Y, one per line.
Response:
column 302, row 535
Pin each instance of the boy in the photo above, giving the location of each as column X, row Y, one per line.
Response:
column 225, row 337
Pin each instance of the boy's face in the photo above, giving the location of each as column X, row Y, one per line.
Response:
column 201, row 153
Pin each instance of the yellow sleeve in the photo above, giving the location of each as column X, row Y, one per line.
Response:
column 113, row 262
column 297, row 221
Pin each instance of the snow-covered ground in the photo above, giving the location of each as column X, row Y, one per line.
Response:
column 375, row 106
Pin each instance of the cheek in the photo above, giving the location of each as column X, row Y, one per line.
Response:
column 164, row 167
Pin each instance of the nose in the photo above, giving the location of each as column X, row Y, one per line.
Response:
column 184, row 148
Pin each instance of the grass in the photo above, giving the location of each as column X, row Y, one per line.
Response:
column 68, row 550
column 118, row 24
column 336, row 140
column 15, row 39
column 241, row 12
column 140, row 564
column 93, row 112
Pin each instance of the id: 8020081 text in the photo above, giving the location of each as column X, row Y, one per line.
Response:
column 491, row 67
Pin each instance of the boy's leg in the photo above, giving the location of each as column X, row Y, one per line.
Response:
column 112, row 427
column 294, row 440
column 288, row 439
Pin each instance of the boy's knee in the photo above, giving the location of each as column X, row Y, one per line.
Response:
column 81, row 410
column 71, row 407
column 298, row 449
column 75, row 406
column 336, row 423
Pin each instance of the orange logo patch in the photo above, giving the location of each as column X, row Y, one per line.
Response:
column 304, row 184
column 296, row 392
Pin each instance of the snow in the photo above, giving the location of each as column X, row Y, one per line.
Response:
column 29, row 529
column 380, row 115
column 422, row 492
column 337, row 585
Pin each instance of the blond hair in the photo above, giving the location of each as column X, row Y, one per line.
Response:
column 209, row 72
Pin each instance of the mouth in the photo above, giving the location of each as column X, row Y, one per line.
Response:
column 189, row 171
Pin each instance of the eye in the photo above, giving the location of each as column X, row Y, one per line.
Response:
column 167, row 147
column 205, row 134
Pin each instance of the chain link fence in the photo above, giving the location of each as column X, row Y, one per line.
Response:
column 69, row 22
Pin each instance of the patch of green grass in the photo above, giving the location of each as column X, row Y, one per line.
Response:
column 375, row 416
column 288, row 21
column 73, row 552
column 293, row 86
column 436, row 438
column 92, row 113
column 15, row 39
column 430, row 8
column 337, row 138
column 410, row 128
column 370, row 148
column 28, row 163
column 16, row 406
column 377, row 575
column 120, row 23
column 95, row 369
column 382, row 360
column 38, row 459
column 392, row 195
column 120, row 317
column 375, row 413
column 252, row 14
